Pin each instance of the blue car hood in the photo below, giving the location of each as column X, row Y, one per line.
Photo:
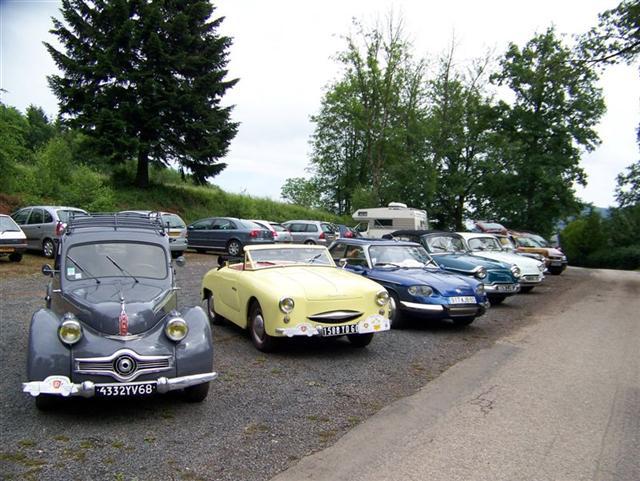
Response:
column 467, row 262
column 445, row 283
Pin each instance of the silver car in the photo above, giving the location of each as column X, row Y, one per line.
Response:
column 43, row 225
column 174, row 226
column 311, row 231
column 280, row 232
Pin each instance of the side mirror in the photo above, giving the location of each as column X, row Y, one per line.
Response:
column 47, row 270
column 180, row 261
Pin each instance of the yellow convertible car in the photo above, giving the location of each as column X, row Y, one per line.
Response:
column 294, row 290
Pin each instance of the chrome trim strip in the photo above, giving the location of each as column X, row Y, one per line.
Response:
column 422, row 307
column 103, row 366
column 335, row 315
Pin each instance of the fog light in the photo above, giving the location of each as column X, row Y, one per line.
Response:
column 70, row 331
column 176, row 329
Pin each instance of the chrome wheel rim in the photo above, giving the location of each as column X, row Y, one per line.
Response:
column 47, row 248
column 234, row 248
column 258, row 326
column 392, row 309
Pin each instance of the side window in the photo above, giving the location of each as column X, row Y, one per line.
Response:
column 202, row 225
column 21, row 216
column 297, row 227
column 223, row 224
column 327, row 228
column 48, row 218
column 338, row 251
column 312, row 228
column 355, row 256
column 36, row 216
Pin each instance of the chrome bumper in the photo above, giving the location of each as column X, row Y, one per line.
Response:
column 62, row 385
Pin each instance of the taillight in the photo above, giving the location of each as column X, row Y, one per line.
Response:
column 60, row 228
column 348, row 234
column 321, row 235
column 254, row 234
column 274, row 234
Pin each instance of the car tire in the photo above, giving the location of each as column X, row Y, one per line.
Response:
column 15, row 257
column 210, row 310
column 526, row 289
column 463, row 321
column 360, row 340
column 197, row 393
column 234, row 248
column 261, row 340
column 309, row 242
column 46, row 402
column 176, row 254
column 395, row 313
column 556, row 271
column 48, row 248
column 495, row 300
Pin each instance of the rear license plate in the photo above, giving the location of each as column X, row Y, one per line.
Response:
column 339, row 330
column 462, row 300
column 114, row 390
column 6, row 249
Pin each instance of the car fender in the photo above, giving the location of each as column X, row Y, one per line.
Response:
column 47, row 355
column 194, row 354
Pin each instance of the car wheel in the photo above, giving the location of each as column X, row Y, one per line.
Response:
column 556, row 271
column 395, row 314
column 360, row 340
column 176, row 254
column 495, row 300
column 15, row 257
column 48, row 248
column 261, row 340
column 309, row 242
column 46, row 402
column 211, row 313
column 526, row 289
column 463, row 321
column 197, row 393
column 234, row 248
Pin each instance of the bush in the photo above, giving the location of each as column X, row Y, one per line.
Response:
column 615, row 258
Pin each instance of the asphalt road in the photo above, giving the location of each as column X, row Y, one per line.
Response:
column 263, row 414
column 559, row 400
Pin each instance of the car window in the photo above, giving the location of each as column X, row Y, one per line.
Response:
column 278, row 227
column 202, row 225
column 174, row 221
column 7, row 224
column 312, row 228
column 297, row 227
column 328, row 228
column 338, row 251
column 283, row 257
column 223, row 224
column 484, row 244
column 355, row 256
column 402, row 256
column 21, row 216
column 97, row 260
column 65, row 214
column 48, row 218
column 36, row 216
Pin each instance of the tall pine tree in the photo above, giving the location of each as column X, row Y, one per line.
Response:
column 145, row 80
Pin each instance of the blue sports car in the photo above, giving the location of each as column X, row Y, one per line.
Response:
column 415, row 282
column 448, row 250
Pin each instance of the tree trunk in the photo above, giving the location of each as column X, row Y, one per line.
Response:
column 142, row 175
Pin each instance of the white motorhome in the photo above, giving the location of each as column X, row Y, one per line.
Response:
column 379, row 221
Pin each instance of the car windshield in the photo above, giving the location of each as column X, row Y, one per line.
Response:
column 115, row 259
column 8, row 225
column 445, row 244
column 484, row 244
column 261, row 258
column 174, row 221
column 527, row 242
column 399, row 256
column 278, row 227
column 541, row 241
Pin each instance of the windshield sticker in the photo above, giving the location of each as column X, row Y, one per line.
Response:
column 78, row 276
column 71, row 271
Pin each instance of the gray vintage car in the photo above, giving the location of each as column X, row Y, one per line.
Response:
column 111, row 326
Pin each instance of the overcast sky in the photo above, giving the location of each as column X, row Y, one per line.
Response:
column 282, row 54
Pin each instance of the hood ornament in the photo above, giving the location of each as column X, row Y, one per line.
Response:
column 123, row 319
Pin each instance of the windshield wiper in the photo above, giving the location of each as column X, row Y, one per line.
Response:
column 382, row 264
column 83, row 269
column 121, row 269
column 311, row 260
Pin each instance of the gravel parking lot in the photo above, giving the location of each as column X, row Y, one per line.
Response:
column 262, row 414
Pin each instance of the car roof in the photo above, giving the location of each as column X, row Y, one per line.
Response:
column 421, row 232
column 378, row 242
column 63, row 207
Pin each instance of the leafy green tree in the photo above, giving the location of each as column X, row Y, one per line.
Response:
column 301, row 191
column 145, row 80
column 41, row 130
column 546, row 128
column 13, row 130
column 628, row 186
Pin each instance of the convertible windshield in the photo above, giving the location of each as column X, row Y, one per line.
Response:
column 399, row 256
column 116, row 259
column 484, row 244
column 260, row 258
column 445, row 244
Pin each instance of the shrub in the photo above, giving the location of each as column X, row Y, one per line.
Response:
column 615, row 258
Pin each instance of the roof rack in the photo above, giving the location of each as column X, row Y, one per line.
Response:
column 115, row 221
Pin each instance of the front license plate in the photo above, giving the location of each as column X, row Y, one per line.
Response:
column 339, row 330
column 506, row 288
column 6, row 249
column 114, row 390
column 462, row 300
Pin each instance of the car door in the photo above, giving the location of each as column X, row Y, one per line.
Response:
column 34, row 226
column 298, row 231
column 329, row 232
column 223, row 231
column 20, row 217
column 199, row 232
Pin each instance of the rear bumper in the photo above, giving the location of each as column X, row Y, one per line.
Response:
column 62, row 386
column 178, row 244
column 6, row 249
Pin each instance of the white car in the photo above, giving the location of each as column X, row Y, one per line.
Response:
column 13, row 242
column 489, row 247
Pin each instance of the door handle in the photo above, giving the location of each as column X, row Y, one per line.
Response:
column 234, row 289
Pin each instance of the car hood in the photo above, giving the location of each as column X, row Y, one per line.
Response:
column 467, row 262
column 447, row 284
column 99, row 306
column 316, row 283
column 527, row 265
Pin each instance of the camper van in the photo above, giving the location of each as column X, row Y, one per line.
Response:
column 379, row 221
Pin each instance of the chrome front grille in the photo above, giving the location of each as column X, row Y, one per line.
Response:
column 123, row 365
column 335, row 317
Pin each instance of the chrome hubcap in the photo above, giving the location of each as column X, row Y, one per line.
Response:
column 258, row 326
column 234, row 248
column 48, row 248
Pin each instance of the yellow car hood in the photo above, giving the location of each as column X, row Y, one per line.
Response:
column 316, row 283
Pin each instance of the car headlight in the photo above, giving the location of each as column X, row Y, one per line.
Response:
column 564, row 258
column 480, row 290
column 286, row 305
column 382, row 298
column 515, row 270
column 176, row 329
column 70, row 331
column 423, row 291
column 480, row 272
column 541, row 267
